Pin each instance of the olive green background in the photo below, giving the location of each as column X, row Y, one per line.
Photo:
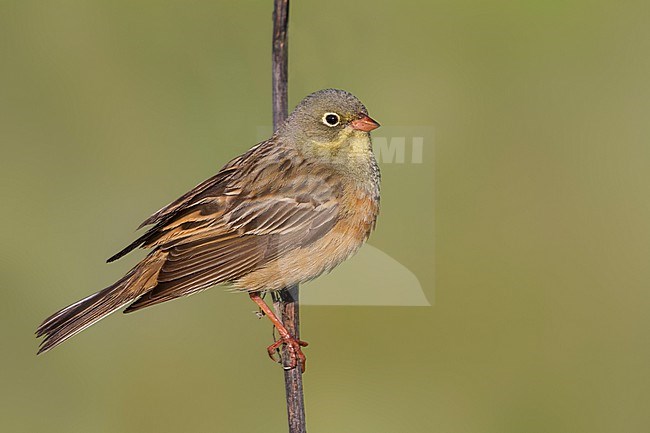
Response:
column 527, row 224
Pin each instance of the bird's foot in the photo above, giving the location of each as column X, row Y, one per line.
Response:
column 293, row 344
column 293, row 349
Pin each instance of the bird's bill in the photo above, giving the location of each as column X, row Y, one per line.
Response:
column 364, row 124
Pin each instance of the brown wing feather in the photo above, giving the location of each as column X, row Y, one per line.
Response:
column 189, row 271
column 219, row 238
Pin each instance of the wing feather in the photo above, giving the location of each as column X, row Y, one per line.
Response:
column 259, row 207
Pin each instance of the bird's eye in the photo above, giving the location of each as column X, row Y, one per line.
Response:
column 331, row 119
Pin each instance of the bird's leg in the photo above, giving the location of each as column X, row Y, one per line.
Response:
column 293, row 344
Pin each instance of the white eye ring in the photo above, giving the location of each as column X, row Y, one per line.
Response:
column 328, row 117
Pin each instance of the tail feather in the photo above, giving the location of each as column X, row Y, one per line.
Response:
column 80, row 315
column 76, row 317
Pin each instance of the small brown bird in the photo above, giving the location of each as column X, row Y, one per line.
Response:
column 292, row 207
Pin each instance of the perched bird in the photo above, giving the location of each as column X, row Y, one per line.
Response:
column 290, row 208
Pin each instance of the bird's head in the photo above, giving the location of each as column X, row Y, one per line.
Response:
column 331, row 121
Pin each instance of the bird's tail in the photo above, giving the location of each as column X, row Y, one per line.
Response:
column 76, row 317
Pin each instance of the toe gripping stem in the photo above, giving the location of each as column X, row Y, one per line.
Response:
column 294, row 345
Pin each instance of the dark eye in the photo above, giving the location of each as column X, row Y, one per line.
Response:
column 331, row 119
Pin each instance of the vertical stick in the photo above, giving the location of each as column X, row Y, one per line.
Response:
column 286, row 303
column 280, row 61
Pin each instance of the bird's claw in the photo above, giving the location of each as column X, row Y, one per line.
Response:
column 294, row 350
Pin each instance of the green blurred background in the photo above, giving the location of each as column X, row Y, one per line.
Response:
column 536, row 188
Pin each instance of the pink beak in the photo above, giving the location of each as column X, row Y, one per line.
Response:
column 364, row 124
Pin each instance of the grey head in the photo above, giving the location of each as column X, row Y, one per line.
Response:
column 327, row 116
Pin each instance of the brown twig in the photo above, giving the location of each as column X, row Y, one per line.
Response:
column 280, row 61
column 286, row 301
